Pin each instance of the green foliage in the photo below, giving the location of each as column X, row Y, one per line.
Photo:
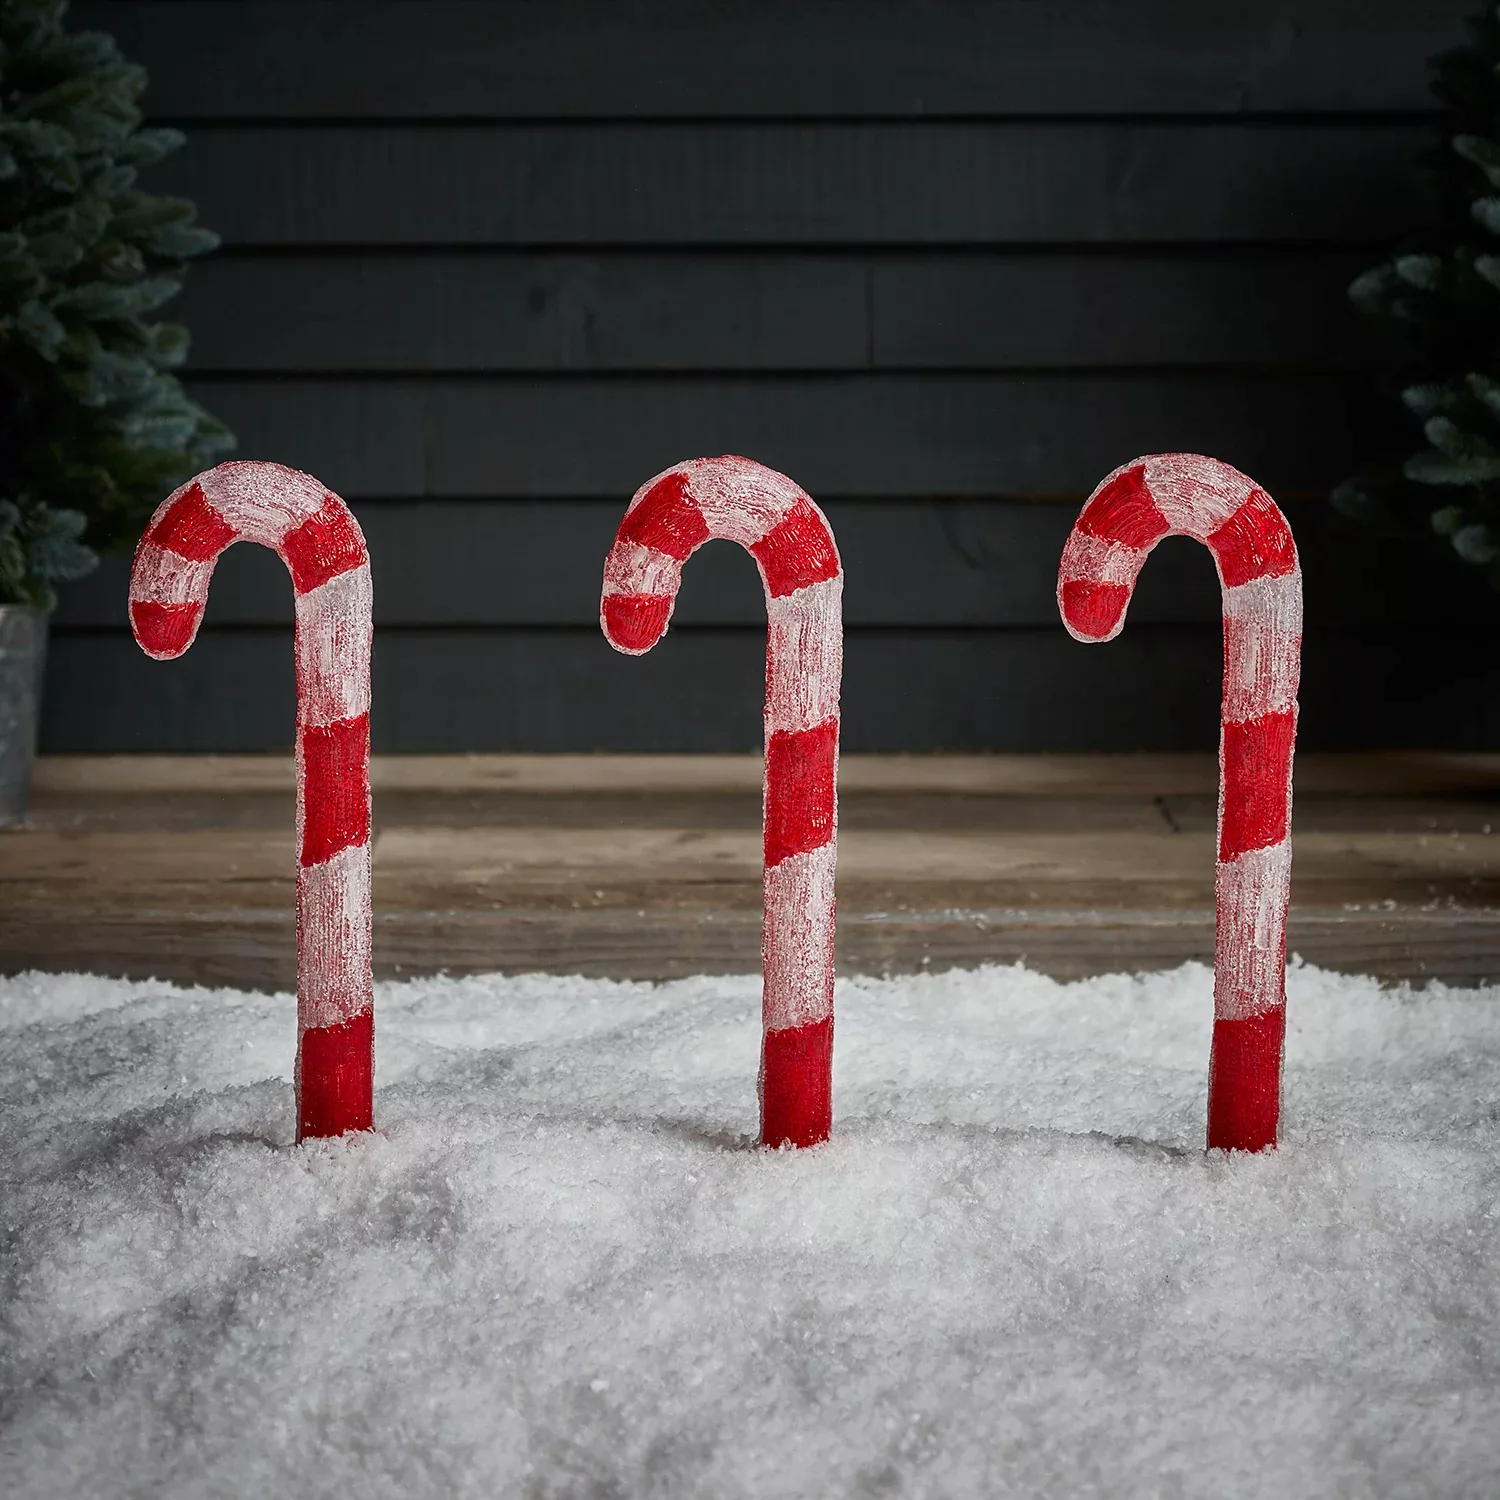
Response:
column 39, row 547
column 94, row 427
column 1440, row 299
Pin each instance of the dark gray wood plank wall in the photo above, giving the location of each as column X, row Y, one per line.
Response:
column 489, row 266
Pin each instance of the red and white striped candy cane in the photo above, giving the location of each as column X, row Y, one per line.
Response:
column 670, row 517
column 314, row 534
column 1183, row 494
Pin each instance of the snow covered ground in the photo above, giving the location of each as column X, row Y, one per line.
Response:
column 558, row 1270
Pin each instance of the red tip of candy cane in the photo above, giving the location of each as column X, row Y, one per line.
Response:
column 634, row 623
column 164, row 630
column 1093, row 611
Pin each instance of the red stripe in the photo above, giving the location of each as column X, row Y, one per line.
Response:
column 1123, row 511
column 800, row 796
column 1255, row 542
column 336, row 1078
column 797, row 551
column 336, row 795
column 667, row 519
column 325, row 545
column 636, row 621
column 1257, row 777
column 796, row 1085
column 192, row 528
column 1094, row 609
column 164, row 629
column 1244, row 1082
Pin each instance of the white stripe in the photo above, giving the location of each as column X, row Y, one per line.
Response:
column 1097, row 559
column 805, row 656
column 262, row 501
column 333, row 648
column 161, row 577
column 797, row 939
column 1195, row 494
column 333, row 939
column 633, row 569
column 741, row 500
column 1262, row 646
column 1250, row 959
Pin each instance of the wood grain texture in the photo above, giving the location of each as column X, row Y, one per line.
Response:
column 96, row 790
column 491, row 265
column 446, row 867
column 798, row 183
column 628, row 311
column 855, row 435
column 910, row 563
column 254, row 949
column 1021, row 689
column 649, row 866
column 428, row 59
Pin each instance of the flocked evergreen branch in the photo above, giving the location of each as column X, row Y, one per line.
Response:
column 94, row 426
column 1441, row 300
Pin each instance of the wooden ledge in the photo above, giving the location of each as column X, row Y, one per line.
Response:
column 1408, row 773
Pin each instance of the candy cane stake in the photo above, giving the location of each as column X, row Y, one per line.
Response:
column 788, row 536
column 1183, row 494
column 314, row 534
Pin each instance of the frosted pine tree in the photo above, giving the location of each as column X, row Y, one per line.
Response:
column 94, row 427
column 1440, row 299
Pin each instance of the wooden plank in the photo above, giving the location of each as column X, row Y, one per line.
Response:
column 1421, row 777
column 855, row 435
column 907, row 563
column 628, row 311
column 436, row 58
column 462, row 800
column 995, row 311
column 1469, row 813
column 256, row 949
column 915, row 690
column 501, row 867
column 1092, row 868
column 784, row 183
column 507, row 311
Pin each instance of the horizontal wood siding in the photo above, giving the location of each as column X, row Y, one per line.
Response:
column 777, row 182
column 975, row 433
column 488, row 267
column 1027, row 688
column 634, row 312
column 909, row 563
column 690, row 59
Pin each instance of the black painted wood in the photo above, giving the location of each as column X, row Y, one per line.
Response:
column 911, row 564
column 855, row 434
column 491, row 266
column 429, row 59
column 799, row 183
column 1027, row 689
column 631, row 311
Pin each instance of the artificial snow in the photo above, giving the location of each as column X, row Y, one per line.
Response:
column 559, row 1268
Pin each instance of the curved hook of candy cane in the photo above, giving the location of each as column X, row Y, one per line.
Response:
column 1182, row 494
column 738, row 500
column 314, row 534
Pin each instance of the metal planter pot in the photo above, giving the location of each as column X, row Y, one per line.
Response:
column 23, row 651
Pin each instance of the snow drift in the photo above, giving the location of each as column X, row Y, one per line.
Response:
column 558, row 1268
